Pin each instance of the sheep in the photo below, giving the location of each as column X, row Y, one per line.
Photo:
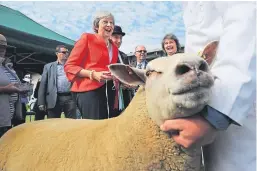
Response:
column 171, row 87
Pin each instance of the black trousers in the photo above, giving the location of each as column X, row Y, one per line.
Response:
column 15, row 121
column 64, row 103
column 39, row 115
column 93, row 104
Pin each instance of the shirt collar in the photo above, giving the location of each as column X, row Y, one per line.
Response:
column 58, row 63
column 142, row 63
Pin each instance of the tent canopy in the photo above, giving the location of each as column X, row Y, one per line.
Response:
column 33, row 44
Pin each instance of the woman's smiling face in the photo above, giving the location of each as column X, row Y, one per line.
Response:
column 170, row 46
column 106, row 26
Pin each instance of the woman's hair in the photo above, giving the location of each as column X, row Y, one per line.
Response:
column 173, row 37
column 98, row 17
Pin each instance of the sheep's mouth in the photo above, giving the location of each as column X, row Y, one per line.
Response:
column 188, row 89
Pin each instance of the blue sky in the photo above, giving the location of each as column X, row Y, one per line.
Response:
column 144, row 22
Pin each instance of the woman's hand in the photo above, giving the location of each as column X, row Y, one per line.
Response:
column 101, row 76
column 126, row 86
column 123, row 85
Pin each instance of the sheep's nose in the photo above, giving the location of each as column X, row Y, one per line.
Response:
column 185, row 68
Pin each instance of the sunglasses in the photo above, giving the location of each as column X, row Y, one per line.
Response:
column 64, row 52
column 141, row 51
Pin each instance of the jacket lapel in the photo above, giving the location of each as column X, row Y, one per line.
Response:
column 100, row 42
column 134, row 63
column 115, row 52
column 54, row 72
column 145, row 64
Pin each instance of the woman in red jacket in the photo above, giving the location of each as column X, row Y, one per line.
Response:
column 87, row 69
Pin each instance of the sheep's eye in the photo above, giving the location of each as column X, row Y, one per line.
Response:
column 148, row 73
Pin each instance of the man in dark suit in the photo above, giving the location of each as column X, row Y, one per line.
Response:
column 54, row 91
column 40, row 114
column 140, row 53
column 116, row 38
column 140, row 62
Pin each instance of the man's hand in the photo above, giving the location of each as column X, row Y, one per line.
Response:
column 192, row 131
column 42, row 107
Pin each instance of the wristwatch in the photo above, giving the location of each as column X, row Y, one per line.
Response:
column 217, row 119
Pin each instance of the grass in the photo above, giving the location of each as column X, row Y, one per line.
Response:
column 31, row 118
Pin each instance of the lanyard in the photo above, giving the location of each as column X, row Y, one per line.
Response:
column 121, row 61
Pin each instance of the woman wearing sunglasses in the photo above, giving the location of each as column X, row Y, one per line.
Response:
column 140, row 53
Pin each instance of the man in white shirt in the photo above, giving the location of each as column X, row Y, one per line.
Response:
column 228, row 116
column 140, row 53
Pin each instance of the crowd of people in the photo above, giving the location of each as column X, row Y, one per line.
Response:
column 79, row 81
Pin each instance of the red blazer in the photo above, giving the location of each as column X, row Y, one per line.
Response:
column 90, row 52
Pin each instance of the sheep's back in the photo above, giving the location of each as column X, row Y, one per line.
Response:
column 53, row 142
column 129, row 142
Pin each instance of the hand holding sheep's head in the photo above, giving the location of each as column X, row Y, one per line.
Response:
column 176, row 86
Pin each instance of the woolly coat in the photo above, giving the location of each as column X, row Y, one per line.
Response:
column 130, row 142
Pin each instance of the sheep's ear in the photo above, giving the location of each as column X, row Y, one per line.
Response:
column 128, row 75
column 209, row 52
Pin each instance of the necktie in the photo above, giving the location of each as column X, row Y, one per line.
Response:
column 116, row 99
column 139, row 66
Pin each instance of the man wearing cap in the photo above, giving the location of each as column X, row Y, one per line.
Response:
column 116, row 38
column 10, row 102
column 54, row 91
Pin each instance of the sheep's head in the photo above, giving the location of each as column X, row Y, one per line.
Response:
column 176, row 86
